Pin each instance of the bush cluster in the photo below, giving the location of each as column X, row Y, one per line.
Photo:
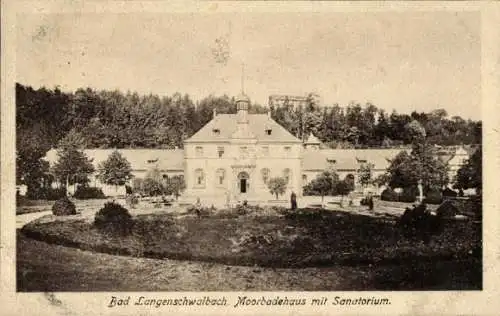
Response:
column 433, row 196
column 50, row 194
column 418, row 222
column 389, row 195
column 409, row 195
column 83, row 192
column 63, row 207
column 114, row 218
column 449, row 193
column 447, row 210
column 200, row 211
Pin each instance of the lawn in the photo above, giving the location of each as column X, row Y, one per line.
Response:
column 43, row 267
column 299, row 239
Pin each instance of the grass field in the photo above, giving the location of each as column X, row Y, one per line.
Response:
column 297, row 239
column 305, row 250
column 48, row 267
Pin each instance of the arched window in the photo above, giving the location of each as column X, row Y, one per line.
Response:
column 265, row 175
column 287, row 174
column 220, row 176
column 199, row 176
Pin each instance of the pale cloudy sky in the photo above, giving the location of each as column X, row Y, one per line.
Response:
column 404, row 61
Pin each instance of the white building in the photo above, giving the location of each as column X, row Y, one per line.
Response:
column 234, row 156
column 237, row 154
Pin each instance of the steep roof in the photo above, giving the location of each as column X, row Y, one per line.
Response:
column 348, row 159
column 140, row 159
column 227, row 125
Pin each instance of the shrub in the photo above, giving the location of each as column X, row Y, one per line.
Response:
column 50, row 194
column 63, row 207
column 114, row 218
column 409, row 195
column 433, row 196
column 389, row 195
column 198, row 210
column 83, row 192
column 449, row 193
column 447, row 210
column 420, row 223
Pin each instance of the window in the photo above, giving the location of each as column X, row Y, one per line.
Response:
column 220, row 176
column 199, row 178
column 265, row 151
column 269, row 131
column 216, row 131
column 287, row 173
column 265, row 175
column 304, row 179
column 199, row 151
column 243, row 151
column 288, row 149
column 220, row 151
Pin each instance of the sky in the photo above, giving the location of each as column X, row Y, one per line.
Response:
column 400, row 60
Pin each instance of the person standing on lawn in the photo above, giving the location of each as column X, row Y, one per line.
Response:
column 293, row 201
column 370, row 201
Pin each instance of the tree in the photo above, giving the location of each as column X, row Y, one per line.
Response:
column 343, row 188
column 115, row 170
column 277, row 186
column 324, row 184
column 415, row 132
column 365, row 174
column 72, row 165
column 137, row 185
column 175, row 186
column 152, row 184
column 406, row 170
column 469, row 176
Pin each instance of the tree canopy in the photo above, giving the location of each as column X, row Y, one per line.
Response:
column 72, row 165
column 115, row 170
column 277, row 186
column 406, row 170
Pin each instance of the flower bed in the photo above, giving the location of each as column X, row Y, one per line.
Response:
column 308, row 237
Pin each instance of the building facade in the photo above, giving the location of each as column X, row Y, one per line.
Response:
column 235, row 155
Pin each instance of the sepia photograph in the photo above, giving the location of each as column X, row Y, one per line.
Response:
column 248, row 151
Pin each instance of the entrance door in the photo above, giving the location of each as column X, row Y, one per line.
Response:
column 243, row 185
column 243, row 179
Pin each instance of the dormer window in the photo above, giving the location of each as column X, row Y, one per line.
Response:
column 216, row 131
